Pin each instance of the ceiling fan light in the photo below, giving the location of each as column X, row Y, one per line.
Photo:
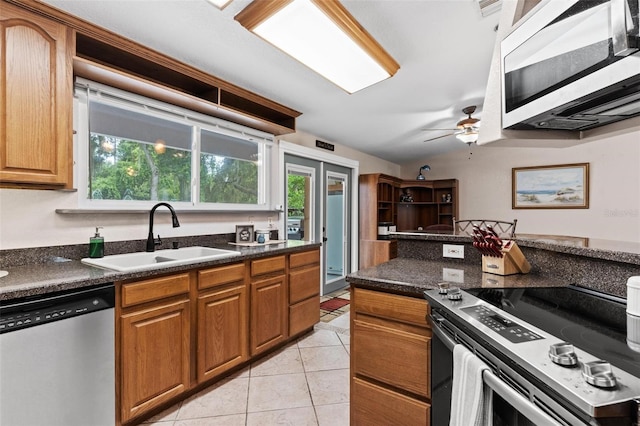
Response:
column 468, row 137
column 323, row 36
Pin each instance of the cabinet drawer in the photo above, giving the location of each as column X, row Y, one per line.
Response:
column 303, row 284
column 304, row 315
column 154, row 289
column 401, row 359
column 218, row 276
column 305, row 258
column 400, row 308
column 265, row 266
column 373, row 405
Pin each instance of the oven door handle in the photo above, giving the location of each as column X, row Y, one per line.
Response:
column 440, row 333
column 519, row 402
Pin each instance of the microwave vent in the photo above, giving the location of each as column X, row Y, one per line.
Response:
column 487, row 7
column 564, row 124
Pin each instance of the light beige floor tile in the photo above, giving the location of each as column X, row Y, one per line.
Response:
column 333, row 415
column 285, row 361
column 344, row 338
column 232, row 420
column 319, row 338
column 343, row 321
column 346, row 295
column 168, row 415
column 305, row 416
column 229, row 397
column 324, row 358
column 348, row 349
column 329, row 387
column 278, row 392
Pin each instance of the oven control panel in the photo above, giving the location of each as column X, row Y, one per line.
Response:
column 506, row 328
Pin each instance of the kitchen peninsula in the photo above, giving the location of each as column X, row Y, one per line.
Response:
column 391, row 339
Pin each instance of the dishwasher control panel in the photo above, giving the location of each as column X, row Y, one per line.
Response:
column 48, row 308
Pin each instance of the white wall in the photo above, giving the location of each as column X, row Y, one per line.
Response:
column 368, row 163
column 28, row 217
column 485, row 186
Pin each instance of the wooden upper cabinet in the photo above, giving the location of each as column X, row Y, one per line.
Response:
column 36, row 98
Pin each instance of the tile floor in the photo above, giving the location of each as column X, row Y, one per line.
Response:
column 304, row 383
column 327, row 316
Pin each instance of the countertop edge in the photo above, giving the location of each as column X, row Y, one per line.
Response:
column 78, row 275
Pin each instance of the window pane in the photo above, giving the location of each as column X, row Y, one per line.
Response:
column 137, row 157
column 228, row 169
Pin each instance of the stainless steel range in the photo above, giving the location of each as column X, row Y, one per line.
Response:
column 558, row 356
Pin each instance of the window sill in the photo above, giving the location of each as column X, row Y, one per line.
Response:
column 146, row 211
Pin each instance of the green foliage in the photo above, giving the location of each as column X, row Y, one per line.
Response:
column 124, row 170
column 295, row 194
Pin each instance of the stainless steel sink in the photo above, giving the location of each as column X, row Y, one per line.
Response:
column 145, row 261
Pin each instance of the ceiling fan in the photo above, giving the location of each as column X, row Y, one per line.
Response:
column 466, row 129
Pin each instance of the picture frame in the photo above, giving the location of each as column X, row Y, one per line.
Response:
column 562, row 186
column 244, row 233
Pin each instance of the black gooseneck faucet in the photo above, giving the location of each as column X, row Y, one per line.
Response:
column 151, row 242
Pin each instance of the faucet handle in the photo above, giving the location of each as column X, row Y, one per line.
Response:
column 157, row 241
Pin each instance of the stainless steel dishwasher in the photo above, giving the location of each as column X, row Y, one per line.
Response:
column 57, row 360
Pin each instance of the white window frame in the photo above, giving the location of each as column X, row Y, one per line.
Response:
column 197, row 121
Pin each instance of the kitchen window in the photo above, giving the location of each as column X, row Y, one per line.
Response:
column 134, row 151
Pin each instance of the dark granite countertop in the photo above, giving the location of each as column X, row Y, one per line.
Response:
column 618, row 251
column 59, row 274
column 412, row 276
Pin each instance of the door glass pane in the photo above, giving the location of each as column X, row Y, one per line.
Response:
column 299, row 205
column 335, row 226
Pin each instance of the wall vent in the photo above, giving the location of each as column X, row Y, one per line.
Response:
column 487, row 7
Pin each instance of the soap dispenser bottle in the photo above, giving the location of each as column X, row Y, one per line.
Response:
column 96, row 244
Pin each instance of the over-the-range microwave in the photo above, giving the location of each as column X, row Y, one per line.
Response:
column 572, row 65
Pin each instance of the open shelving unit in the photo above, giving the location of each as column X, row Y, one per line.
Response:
column 434, row 205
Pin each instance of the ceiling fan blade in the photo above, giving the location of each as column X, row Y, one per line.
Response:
column 443, row 136
column 428, row 130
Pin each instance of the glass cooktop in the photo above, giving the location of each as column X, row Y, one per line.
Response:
column 592, row 321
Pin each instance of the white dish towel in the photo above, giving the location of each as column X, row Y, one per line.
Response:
column 471, row 399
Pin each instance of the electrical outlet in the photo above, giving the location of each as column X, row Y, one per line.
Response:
column 270, row 220
column 250, row 220
column 455, row 251
column 453, row 275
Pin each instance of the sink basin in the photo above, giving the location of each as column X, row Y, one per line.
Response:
column 145, row 261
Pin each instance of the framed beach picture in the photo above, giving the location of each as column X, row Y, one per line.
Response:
column 565, row 186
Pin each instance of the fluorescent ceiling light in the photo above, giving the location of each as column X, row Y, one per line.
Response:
column 323, row 36
column 220, row 4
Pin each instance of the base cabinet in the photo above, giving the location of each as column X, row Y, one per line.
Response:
column 178, row 333
column 373, row 405
column 268, row 313
column 390, row 359
column 154, row 348
column 304, row 291
column 222, row 329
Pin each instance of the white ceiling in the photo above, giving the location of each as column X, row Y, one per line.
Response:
column 444, row 49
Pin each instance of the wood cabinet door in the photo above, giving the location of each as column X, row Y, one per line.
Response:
column 269, row 311
column 154, row 356
column 222, row 331
column 36, row 98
